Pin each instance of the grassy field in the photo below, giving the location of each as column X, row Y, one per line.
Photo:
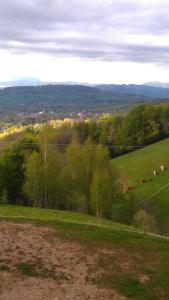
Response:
column 47, row 215
column 137, row 265
column 139, row 165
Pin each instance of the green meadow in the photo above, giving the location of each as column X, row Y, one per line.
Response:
column 139, row 165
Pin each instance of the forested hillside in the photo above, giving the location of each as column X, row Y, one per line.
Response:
column 134, row 89
column 70, row 168
column 37, row 170
column 141, row 126
column 35, row 98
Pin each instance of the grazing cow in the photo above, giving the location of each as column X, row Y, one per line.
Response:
column 162, row 168
column 128, row 188
column 155, row 173
column 142, row 181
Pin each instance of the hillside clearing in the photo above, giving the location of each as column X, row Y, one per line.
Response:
column 36, row 263
column 62, row 259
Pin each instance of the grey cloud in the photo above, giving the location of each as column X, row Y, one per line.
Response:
column 95, row 29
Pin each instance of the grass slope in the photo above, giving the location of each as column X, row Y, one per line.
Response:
column 56, row 216
column 135, row 264
column 139, row 165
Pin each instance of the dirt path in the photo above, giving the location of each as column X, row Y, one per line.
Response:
column 36, row 263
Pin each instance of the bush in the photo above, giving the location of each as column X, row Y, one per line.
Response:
column 145, row 221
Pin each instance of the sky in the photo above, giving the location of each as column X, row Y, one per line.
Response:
column 94, row 41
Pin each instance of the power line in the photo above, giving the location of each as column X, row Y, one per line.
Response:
column 88, row 145
column 45, row 165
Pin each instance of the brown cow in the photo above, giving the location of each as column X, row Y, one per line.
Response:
column 142, row 181
column 128, row 188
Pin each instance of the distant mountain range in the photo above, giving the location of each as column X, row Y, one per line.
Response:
column 134, row 89
column 164, row 85
column 30, row 81
column 27, row 81
column 33, row 95
column 51, row 97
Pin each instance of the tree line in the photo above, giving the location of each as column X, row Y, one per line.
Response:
column 141, row 126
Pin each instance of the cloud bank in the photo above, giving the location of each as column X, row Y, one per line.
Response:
column 106, row 30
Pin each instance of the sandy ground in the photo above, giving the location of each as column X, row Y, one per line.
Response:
column 61, row 268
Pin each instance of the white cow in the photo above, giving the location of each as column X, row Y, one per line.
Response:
column 155, row 173
column 162, row 168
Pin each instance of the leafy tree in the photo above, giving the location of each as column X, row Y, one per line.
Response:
column 123, row 208
column 82, row 129
column 103, row 184
column 145, row 221
column 42, row 179
column 13, row 176
column 71, row 176
column 34, row 186
column 94, row 131
column 12, row 167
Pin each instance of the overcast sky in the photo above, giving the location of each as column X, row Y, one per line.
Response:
column 108, row 41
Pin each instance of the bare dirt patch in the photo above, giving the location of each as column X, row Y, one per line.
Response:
column 37, row 264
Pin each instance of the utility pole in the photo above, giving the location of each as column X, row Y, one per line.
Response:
column 34, row 183
column 45, row 166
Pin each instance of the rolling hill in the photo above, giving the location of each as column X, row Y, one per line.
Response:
column 75, row 96
column 48, row 97
column 139, row 165
column 149, row 91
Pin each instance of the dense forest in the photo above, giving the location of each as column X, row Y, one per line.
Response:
column 69, row 168
column 141, row 126
column 42, row 172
